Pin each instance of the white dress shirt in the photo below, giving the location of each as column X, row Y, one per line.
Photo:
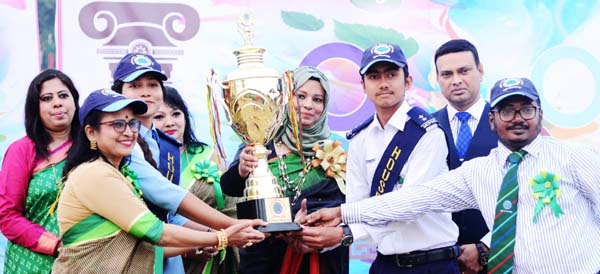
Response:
column 427, row 160
column 569, row 244
column 475, row 110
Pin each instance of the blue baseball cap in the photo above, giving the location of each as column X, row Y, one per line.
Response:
column 507, row 87
column 133, row 65
column 382, row 52
column 107, row 100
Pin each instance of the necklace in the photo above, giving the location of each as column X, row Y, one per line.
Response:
column 59, row 184
column 296, row 184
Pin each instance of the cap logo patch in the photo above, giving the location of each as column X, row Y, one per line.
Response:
column 110, row 92
column 382, row 49
column 141, row 60
column 511, row 82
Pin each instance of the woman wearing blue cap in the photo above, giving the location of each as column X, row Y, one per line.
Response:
column 104, row 223
column 139, row 76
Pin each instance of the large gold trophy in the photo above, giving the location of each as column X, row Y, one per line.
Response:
column 255, row 98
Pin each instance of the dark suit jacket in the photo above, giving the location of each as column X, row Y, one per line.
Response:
column 470, row 223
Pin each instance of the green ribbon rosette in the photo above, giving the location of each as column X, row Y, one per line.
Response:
column 209, row 171
column 132, row 177
column 546, row 189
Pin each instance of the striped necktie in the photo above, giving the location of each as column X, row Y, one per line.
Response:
column 464, row 134
column 505, row 222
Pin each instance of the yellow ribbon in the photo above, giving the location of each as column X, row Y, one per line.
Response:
column 332, row 158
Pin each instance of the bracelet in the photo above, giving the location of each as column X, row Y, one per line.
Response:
column 222, row 237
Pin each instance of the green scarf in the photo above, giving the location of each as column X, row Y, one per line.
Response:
column 320, row 130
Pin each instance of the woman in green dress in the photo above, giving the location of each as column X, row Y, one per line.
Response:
column 310, row 166
column 30, row 179
column 200, row 174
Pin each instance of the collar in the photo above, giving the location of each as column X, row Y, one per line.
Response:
column 398, row 119
column 146, row 132
column 533, row 149
column 476, row 110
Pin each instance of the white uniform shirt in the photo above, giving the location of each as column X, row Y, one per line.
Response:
column 427, row 160
column 569, row 244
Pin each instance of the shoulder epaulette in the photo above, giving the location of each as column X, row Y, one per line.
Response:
column 359, row 128
column 168, row 137
column 421, row 117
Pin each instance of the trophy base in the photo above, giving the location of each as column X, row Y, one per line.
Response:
column 275, row 211
column 279, row 227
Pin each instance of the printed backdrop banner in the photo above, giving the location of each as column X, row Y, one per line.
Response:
column 19, row 63
column 552, row 42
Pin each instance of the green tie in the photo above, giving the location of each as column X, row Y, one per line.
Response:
column 505, row 221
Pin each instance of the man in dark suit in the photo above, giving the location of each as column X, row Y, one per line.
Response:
column 468, row 135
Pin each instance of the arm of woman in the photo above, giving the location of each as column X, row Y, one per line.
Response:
column 14, row 183
column 116, row 201
column 233, row 180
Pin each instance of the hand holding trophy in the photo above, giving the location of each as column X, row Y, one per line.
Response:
column 255, row 98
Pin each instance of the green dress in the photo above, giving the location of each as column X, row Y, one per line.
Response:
column 41, row 194
column 201, row 176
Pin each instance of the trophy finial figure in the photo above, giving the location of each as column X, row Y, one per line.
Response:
column 246, row 28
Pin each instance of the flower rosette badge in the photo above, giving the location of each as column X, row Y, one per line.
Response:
column 132, row 177
column 209, row 172
column 332, row 158
column 546, row 190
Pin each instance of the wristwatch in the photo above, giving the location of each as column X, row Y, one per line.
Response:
column 347, row 238
column 483, row 255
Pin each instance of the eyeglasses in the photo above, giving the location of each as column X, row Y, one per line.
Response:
column 508, row 114
column 120, row 125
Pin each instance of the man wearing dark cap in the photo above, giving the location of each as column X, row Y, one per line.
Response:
column 539, row 196
column 397, row 147
column 468, row 135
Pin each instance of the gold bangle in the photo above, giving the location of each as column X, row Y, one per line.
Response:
column 222, row 237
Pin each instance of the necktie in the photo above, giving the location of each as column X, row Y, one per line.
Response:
column 505, row 222
column 464, row 134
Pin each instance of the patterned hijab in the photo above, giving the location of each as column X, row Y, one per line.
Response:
column 317, row 132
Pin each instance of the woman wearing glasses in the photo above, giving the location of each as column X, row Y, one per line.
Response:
column 31, row 173
column 104, row 223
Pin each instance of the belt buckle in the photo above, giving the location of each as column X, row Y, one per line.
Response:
column 397, row 257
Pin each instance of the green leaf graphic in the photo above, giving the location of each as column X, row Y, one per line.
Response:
column 302, row 21
column 366, row 36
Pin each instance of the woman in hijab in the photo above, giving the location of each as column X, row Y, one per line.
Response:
column 298, row 170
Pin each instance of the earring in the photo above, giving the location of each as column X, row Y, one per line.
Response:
column 93, row 145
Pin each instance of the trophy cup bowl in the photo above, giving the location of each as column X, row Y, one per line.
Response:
column 255, row 98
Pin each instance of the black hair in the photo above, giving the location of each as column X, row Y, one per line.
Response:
column 34, row 126
column 453, row 46
column 173, row 99
column 404, row 69
column 80, row 150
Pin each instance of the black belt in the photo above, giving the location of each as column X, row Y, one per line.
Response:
column 422, row 257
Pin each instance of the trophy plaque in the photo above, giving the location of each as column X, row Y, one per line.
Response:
column 255, row 98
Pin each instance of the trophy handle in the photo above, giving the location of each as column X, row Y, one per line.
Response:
column 213, row 84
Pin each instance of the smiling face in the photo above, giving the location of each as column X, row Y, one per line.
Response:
column 57, row 106
column 459, row 78
column 309, row 102
column 148, row 89
column 385, row 85
column 112, row 144
column 170, row 120
column 518, row 132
